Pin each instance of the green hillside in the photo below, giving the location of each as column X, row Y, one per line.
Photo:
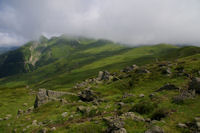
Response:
column 131, row 95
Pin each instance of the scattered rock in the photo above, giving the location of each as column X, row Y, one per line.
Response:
column 168, row 87
column 166, row 71
column 20, row 112
column 132, row 116
column 141, row 95
column 142, row 71
column 44, row 130
column 103, row 75
column 87, row 95
column 195, row 84
column 25, row 104
column 115, row 125
column 130, row 68
column 34, row 123
column 64, row 114
column 182, row 125
column 53, row 128
column 155, row 129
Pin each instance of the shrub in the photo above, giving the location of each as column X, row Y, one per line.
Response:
column 159, row 114
column 144, row 107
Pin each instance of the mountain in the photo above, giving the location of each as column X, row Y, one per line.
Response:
column 6, row 49
column 95, row 85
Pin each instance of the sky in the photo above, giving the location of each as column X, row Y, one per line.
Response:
column 134, row 22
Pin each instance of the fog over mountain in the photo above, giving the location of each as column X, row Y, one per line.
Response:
column 128, row 21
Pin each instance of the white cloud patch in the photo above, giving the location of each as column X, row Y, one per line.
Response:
column 129, row 21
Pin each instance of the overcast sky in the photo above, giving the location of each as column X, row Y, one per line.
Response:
column 129, row 21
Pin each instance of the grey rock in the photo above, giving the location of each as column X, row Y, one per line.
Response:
column 132, row 116
column 20, row 112
column 155, row 129
column 195, row 84
column 34, row 123
column 121, row 130
column 87, row 95
column 44, row 96
column 64, row 114
column 103, row 75
column 182, row 125
column 141, row 95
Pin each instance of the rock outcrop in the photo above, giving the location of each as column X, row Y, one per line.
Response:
column 195, row 84
column 44, row 96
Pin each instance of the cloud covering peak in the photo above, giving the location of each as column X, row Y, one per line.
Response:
column 129, row 21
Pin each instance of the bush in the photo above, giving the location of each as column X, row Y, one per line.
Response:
column 159, row 114
column 144, row 107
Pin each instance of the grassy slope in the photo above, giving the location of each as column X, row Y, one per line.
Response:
column 112, row 93
column 92, row 59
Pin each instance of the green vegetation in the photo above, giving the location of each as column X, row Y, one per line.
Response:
column 61, row 62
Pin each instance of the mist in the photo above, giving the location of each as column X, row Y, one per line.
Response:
column 134, row 22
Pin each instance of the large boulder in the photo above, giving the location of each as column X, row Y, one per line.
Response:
column 195, row 84
column 43, row 96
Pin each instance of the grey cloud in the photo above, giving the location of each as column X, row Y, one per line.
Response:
column 128, row 21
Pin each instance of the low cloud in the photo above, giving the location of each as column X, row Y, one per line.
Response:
column 131, row 21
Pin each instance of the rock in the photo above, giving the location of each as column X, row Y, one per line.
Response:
column 141, row 95
column 87, row 95
column 166, row 71
column 44, row 96
column 24, row 129
column 44, row 130
column 130, row 68
column 181, row 125
column 9, row 115
column 34, row 123
column 197, row 119
column 121, row 104
column 151, row 95
column 5, row 118
column 1, row 119
column 20, row 112
column 132, row 116
column 30, row 109
column 155, row 129
column 127, row 95
column 142, row 71
column 53, row 128
column 41, row 98
column 114, row 124
column 64, row 114
column 198, row 125
column 103, row 75
column 195, row 84
column 121, row 130
column 168, row 87
column 25, row 104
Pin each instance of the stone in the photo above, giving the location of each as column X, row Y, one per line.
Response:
column 182, row 125
column 141, row 95
column 53, row 128
column 34, row 123
column 168, row 87
column 44, row 130
column 6, row 118
column 142, row 71
column 121, row 130
column 155, row 129
column 20, row 112
column 64, row 114
column 195, row 84
column 87, row 95
column 30, row 109
column 151, row 95
column 43, row 96
column 103, row 75
column 198, row 125
column 166, row 71
column 25, row 104
column 1, row 119
column 132, row 116
column 197, row 119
